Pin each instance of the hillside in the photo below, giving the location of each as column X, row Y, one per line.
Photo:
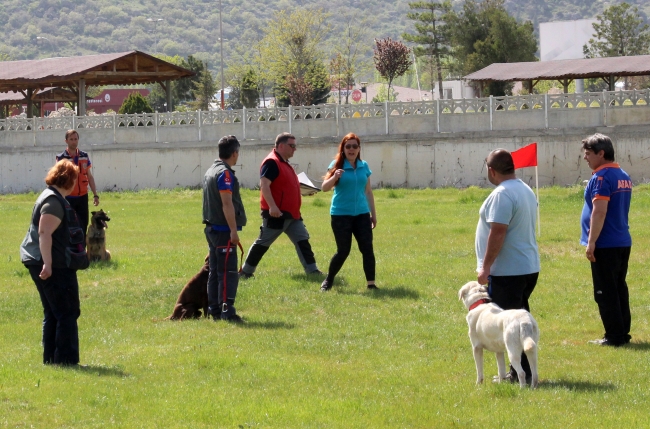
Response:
column 44, row 28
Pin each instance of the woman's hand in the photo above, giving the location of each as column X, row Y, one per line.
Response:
column 338, row 173
column 373, row 221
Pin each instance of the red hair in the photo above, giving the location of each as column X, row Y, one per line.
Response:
column 62, row 175
column 340, row 156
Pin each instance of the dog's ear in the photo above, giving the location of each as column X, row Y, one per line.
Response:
column 93, row 213
column 463, row 291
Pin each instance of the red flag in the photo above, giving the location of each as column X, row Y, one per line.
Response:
column 526, row 156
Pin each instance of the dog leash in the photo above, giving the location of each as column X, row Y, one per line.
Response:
column 224, row 307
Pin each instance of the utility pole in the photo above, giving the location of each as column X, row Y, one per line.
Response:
column 223, row 104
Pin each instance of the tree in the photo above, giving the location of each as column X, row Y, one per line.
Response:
column 432, row 33
column 619, row 32
column 391, row 59
column 182, row 88
column 250, row 95
column 293, row 41
column 203, row 90
column 353, row 43
column 382, row 94
column 336, row 72
column 135, row 103
column 299, row 91
column 484, row 33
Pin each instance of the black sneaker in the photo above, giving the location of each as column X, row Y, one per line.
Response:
column 235, row 318
column 373, row 287
column 325, row 286
column 245, row 276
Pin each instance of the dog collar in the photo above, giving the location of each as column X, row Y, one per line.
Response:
column 479, row 302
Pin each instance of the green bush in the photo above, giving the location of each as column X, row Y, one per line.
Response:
column 135, row 103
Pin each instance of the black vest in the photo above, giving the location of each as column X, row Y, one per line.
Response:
column 212, row 205
column 68, row 234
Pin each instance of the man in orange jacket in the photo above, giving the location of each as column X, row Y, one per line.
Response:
column 78, row 199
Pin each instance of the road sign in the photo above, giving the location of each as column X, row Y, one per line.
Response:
column 356, row 95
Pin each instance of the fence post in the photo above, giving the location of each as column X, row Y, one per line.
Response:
column 34, row 129
column 386, row 115
column 438, row 114
column 73, row 122
column 604, row 107
column 338, row 131
column 199, row 119
column 491, row 108
column 290, row 117
column 546, row 110
column 244, row 119
column 156, row 125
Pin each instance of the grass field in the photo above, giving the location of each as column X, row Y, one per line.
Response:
column 350, row 358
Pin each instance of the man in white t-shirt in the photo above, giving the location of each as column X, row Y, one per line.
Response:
column 506, row 247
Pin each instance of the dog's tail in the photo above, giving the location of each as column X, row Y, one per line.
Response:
column 528, row 334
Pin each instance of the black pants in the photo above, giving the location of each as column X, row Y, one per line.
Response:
column 512, row 293
column 80, row 205
column 223, row 274
column 344, row 227
column 611, row 293
column 60, row 298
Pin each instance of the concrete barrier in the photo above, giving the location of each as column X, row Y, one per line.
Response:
column 406, row 160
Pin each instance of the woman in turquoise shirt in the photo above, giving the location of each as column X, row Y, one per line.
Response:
column 353, row 209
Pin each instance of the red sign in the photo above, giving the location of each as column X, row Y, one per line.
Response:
column 356, row 95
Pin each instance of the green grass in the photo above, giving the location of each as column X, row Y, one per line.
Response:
column 399, row 357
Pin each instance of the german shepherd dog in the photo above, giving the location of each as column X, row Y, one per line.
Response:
column 96, row 237
column 193, row 296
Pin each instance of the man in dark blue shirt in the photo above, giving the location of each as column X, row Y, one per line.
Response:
column 606, row 234
column 224, row 216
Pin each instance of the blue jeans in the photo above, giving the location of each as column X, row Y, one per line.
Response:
column 223, row 273
column 60, row 298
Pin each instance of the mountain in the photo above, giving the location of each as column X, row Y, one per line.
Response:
column 44, row 28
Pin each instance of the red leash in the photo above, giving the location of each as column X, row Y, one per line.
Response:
column 225, row 274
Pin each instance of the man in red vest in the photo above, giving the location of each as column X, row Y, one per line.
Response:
column 78, row 199
column 280, row 201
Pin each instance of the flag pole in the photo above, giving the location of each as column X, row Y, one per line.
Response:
column 539, row 220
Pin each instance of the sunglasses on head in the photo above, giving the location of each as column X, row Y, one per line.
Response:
column 352, row 146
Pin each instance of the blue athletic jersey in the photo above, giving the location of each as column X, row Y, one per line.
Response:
column 609, row 182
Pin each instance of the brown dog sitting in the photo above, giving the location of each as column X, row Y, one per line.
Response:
column 96, row 237
column 194, row 296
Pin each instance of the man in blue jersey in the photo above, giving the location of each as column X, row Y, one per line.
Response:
column 606, row 234
column 224, row 216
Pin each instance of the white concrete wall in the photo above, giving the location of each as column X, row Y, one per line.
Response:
column 407, row 160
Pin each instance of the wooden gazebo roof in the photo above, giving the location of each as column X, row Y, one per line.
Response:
column 78, row 73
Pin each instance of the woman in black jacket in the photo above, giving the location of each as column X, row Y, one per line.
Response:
column 49, row 250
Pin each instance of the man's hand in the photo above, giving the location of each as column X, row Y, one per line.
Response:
column 46, row 272
column 275, row 211
column 482, row 276
column 234, row 238
column 95, row 200
column 589, row 253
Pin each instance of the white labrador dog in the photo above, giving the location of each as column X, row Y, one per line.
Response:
column 498, row 330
